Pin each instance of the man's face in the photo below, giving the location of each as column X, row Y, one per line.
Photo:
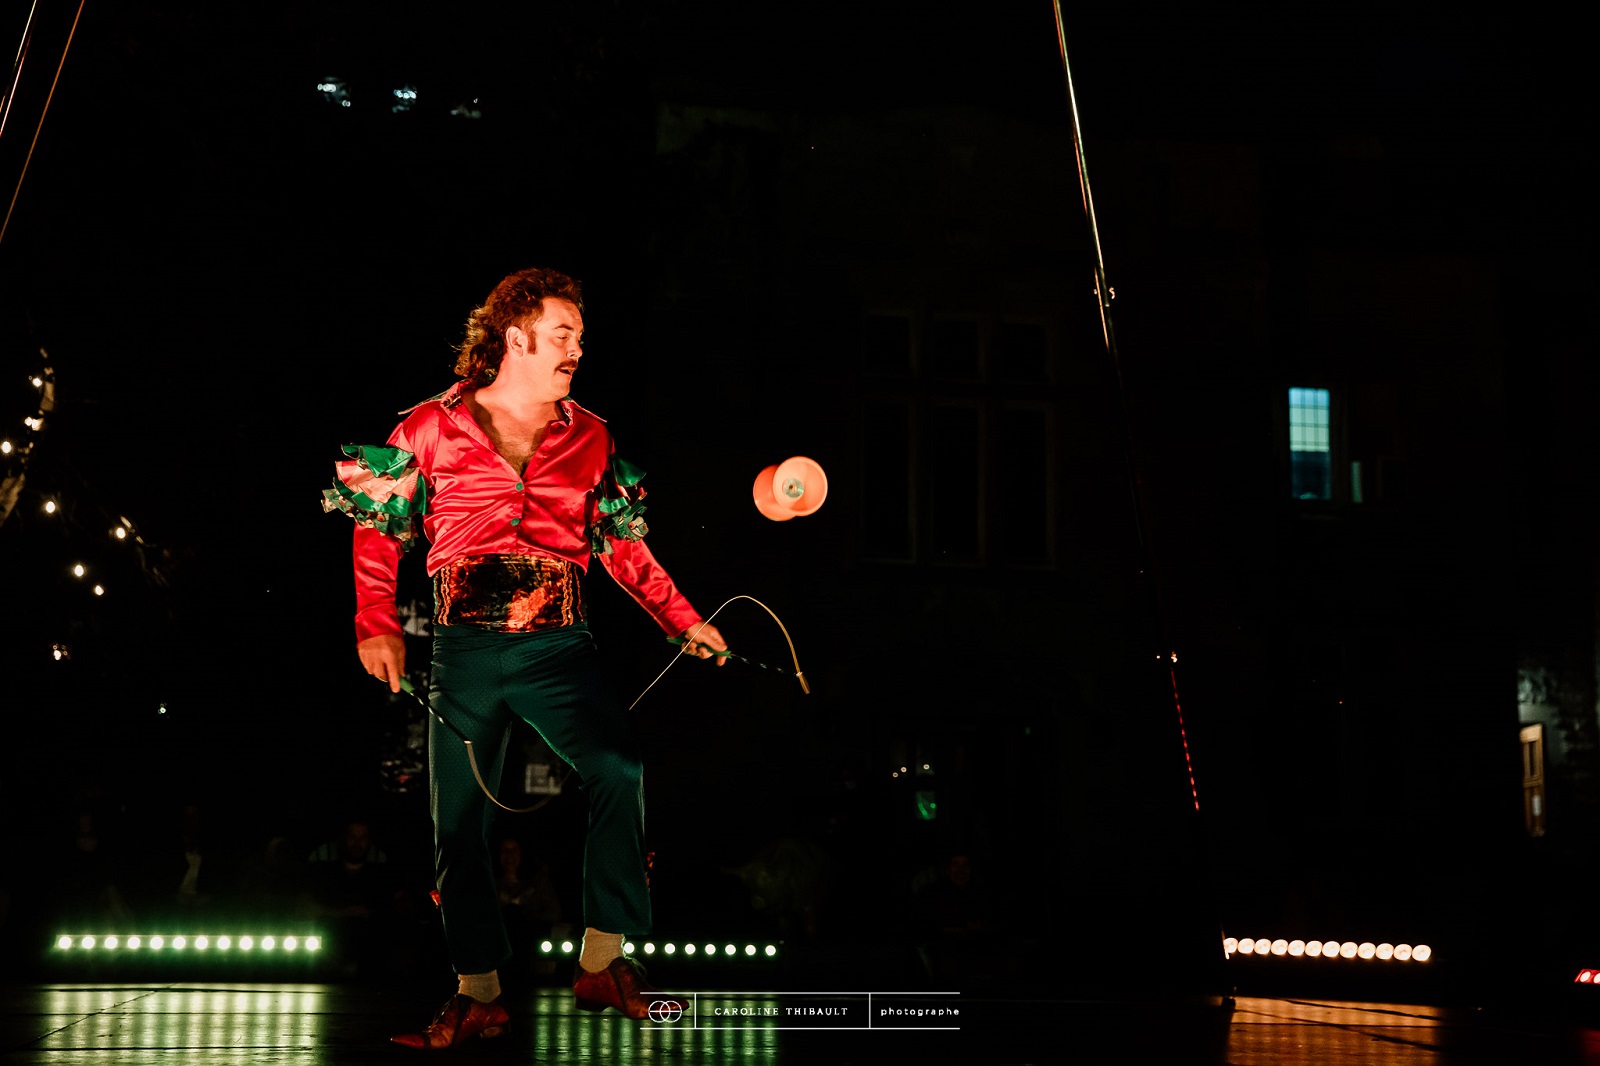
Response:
column 510, row 854
column 551, row 347
column 356, row 842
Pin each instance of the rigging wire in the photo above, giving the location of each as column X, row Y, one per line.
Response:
column 43, row 111
column 16, row 67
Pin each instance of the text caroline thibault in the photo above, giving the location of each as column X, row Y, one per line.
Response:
column 832, row 1012
column 775, row 1012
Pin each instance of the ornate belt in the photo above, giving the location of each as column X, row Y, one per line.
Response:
column 508, row 593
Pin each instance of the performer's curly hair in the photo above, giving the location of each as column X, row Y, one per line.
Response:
column 517, row 301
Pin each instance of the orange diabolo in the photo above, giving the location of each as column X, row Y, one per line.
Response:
column 790, row 489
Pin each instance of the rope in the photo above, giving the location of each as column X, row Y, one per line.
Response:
column 472, row 758
column 799, row 675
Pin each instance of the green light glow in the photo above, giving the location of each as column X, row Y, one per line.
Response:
column 568, row 947
column 198, row 942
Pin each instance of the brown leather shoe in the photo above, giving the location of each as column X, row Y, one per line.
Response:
column 461, row 1019
column 622, row 985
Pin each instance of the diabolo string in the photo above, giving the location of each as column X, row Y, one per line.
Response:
column 686, row 643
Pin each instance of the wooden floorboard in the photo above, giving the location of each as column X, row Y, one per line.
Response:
column 134, row 1024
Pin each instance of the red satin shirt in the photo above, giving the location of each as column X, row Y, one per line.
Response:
column 479, row 505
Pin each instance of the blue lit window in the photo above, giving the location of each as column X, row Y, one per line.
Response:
column 1310, row 460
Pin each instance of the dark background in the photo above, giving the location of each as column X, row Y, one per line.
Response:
column 233, row 275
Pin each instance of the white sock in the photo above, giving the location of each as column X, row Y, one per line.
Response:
column 483, row 987
column 599, row 949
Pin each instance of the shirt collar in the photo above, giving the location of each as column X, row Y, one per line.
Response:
column 447, row 399
column 451, row 398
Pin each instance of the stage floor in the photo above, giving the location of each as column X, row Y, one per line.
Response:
column 136, row 1024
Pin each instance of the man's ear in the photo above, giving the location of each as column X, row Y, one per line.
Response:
column 517, row 340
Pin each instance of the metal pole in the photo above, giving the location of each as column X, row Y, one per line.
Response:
column 1104, row 294
column 1165, row 655
column 1101, row 290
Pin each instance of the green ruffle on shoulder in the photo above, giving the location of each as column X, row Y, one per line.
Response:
column 621, row 507
column 381, row 488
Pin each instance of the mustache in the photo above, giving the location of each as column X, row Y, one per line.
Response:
column 567, row 364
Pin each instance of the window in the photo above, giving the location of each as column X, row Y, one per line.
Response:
column 953, row 348
column 886, row 344
column 1023, row 352
column 1310, row 454
column 957, row 437
column 888, row 473
column 1533, row 779
column 955, row 475
column 1025, row 485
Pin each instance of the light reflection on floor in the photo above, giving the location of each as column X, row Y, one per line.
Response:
column 316, row 1023
column 117, row 1019
column 1274, row 1032
column 559, row 1029
column 274, row 1025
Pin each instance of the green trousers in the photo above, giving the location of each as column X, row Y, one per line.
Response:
column 553, row 680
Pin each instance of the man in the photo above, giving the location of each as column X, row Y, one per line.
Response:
column 349, row 888
column 515, row 487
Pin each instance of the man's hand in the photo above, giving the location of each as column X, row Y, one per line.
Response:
column 384, row 657
column 703, row 642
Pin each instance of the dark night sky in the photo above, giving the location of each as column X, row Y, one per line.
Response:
column 232, row 279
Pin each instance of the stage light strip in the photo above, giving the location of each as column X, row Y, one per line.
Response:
column 1327, row 949
column 151, row 942
column 1587, row 977
column 688, row 950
